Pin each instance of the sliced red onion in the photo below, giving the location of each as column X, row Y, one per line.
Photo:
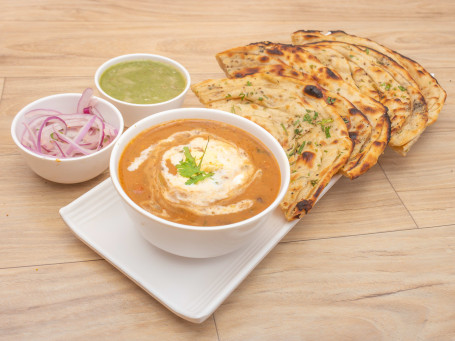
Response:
column 84, row 100
column 82, row 133
column 74, row 144
column 97, row 112
column 38, row 143
column 60, row 149
column 31, row 139
column 50, row 132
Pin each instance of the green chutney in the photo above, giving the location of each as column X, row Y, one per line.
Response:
column 142, row 82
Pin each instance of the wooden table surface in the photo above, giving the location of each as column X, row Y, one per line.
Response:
column 374, row 260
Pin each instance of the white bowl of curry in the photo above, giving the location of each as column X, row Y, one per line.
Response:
column 199, row 182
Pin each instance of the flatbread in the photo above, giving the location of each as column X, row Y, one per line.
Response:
column 247, row 60
column 381, row 78
column 359, row 127
column 433, row 93
column 315, row 137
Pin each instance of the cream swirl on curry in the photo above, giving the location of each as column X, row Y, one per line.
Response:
column 199, row 172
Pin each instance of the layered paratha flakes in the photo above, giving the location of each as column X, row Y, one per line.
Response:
column 370, row 128
column 359, row 127
column 432, row 92
column 381, row 78
column 314, row 136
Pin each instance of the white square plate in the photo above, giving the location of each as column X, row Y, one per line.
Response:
column 191, row 288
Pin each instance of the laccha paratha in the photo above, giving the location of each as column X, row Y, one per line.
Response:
column 316, row 141
column 433, row 93
column 381, row 78
column 359, row 127
column 247, row 59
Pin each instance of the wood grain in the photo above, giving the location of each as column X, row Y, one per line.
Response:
column 33, row 232
column 425, row 179
column 348, row 207
column 86, row 300
column 375, row 287
column 208, row 11
column 60, row 52
column 373, row 260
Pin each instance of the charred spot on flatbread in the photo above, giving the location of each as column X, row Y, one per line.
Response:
column 314, row 91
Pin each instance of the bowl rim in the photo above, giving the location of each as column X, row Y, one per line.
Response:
column 141, row 56
column 113, row 168
column 17, row 120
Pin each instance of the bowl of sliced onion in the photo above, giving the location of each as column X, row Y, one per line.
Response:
column 67, row 138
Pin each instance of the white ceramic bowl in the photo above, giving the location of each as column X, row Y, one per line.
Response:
column 70, row 170
column 135, row 112
column 195, row 241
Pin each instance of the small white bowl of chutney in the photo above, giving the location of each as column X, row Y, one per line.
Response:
column 142, row 84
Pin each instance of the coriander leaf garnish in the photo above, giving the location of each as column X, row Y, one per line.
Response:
column 203, row 154
column 325, row 121
column 284, row 128
column 313, row 120
column 189, row 169
column 301, row 147
column 234, row 108
column 331, row 100
column 307, row 118
column 386, row 86
column 198, row 177
column 327, row 131
column 402, row 88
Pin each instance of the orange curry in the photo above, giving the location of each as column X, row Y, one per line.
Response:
column 199, row 172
